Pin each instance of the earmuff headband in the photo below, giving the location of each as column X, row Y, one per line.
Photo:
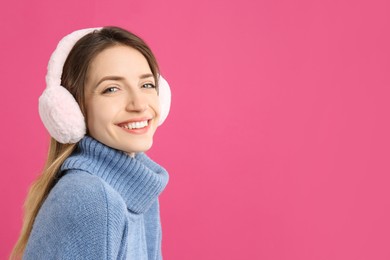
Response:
column 58, row 109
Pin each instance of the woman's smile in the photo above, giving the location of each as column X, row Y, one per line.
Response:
column 136, row 126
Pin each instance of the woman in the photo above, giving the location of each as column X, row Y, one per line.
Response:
column 97, row 197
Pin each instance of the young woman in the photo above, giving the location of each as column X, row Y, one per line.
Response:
column 97, row 197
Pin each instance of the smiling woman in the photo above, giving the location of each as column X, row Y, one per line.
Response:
column 97, row 197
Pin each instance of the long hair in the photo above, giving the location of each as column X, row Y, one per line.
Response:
column 73, row 79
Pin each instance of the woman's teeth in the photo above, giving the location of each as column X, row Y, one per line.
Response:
column 135, row 125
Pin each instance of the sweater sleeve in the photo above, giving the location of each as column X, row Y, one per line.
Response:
column 81, row 219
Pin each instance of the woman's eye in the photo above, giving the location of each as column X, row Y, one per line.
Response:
column 148, row 85
column 110, row 90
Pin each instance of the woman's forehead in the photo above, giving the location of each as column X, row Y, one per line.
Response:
column 119, row 61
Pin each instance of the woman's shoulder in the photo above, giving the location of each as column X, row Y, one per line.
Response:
column 80, row 214
column 83, row 203
column 85, row 193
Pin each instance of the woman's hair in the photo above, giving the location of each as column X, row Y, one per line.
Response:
column 73, row 79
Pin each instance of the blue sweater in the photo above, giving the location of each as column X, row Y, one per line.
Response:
column 105, row 206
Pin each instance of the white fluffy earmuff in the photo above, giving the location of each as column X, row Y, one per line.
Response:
column 59, row 110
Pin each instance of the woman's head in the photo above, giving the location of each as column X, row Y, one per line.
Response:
column 70, row 64
column 125, row 120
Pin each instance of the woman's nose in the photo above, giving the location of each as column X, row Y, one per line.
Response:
column 136, row 102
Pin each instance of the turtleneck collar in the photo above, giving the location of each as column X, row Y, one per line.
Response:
column 137, row 179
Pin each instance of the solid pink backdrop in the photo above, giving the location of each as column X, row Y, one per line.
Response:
column 278, row 139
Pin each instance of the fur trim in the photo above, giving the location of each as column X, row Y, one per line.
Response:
column 165, row 99
column 61, row 115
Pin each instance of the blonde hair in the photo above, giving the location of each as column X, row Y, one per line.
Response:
column 73, row 79
column 39, row 190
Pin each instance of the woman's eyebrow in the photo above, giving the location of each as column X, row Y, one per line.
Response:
column 145, row 76
column 118, row 78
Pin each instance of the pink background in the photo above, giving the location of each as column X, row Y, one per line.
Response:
column 278, row 139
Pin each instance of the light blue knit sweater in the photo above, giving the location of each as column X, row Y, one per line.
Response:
column 105, row 206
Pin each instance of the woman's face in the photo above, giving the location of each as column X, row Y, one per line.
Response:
column 121, row 100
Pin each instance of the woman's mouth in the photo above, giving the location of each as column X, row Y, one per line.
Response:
column 136, row 127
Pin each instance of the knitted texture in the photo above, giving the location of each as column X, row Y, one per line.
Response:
column 105, row 206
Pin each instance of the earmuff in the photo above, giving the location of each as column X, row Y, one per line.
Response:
column 58, row 109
